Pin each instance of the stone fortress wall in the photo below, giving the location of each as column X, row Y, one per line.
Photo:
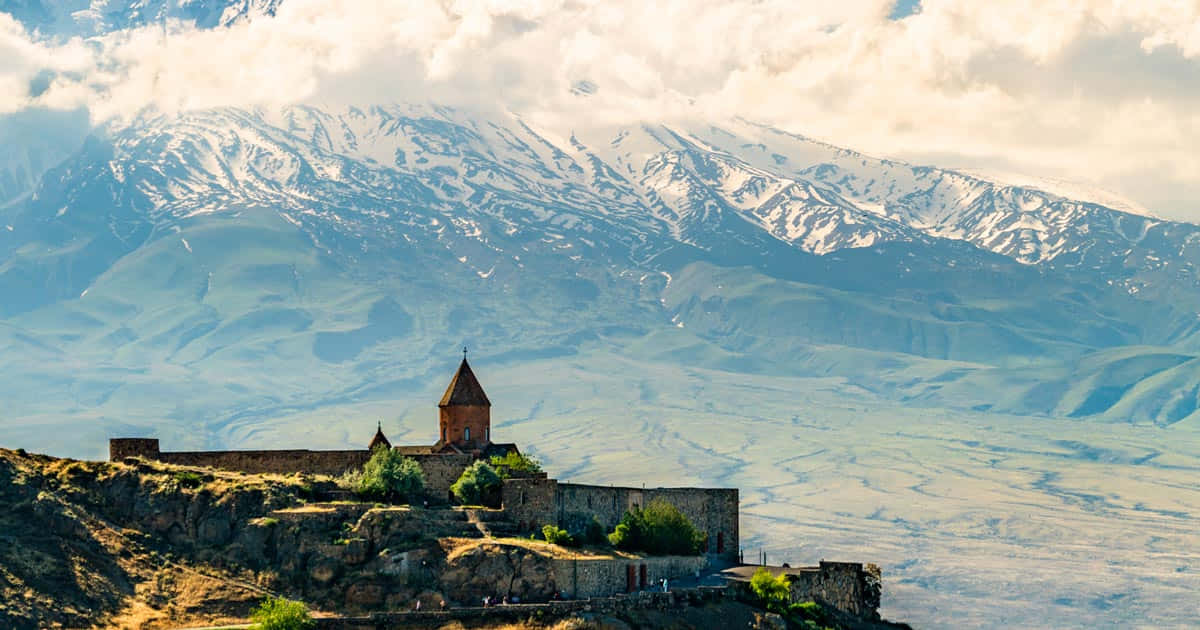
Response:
column 847, row 586
column 441, row 469
column 535, row 502
column 529, row 503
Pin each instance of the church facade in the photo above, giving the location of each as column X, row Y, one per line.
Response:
column 465, row 436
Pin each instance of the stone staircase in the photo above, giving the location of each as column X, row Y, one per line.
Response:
column 489, row 522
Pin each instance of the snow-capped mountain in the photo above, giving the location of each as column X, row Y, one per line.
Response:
column 682, row 183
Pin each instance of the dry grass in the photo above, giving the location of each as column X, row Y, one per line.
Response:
column 457, row 546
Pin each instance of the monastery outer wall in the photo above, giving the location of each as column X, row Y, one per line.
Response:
column 254, row 462
column 537, row 502
column 847, row 586
column 604, row 577
column 441, row 471
column 331, row 463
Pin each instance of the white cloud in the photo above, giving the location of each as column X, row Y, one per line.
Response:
column 1101, row 90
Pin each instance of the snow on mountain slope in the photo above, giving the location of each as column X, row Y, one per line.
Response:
column 623, row 193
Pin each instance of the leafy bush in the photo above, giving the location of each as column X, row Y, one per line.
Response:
column 659, row 529
column 558, row 536
column 188, row 479
column 277, row 613
column 390, row 476
column 808, row 615
column 773, row 591
column 515, row 464
column 476, row 484
column 594, row 534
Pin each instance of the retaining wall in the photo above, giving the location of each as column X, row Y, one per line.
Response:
column 582, row 578
column 618, row 605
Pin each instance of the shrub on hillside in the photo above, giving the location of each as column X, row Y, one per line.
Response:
column 558, row 536
column 188, row 479
column 772, row 591
column 390, row 476
column 515, row 464
column 476, row 484
column 594, row 534
column 277, row 613
column 659, row 529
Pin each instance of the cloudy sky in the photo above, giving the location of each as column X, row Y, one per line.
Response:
column 1104, row 92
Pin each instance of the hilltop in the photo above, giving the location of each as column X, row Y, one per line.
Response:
column 139, row 544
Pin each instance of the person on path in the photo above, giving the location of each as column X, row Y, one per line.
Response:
column 666, row 587
column 417, row 608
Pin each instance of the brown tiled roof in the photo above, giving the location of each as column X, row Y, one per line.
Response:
column 464, row 389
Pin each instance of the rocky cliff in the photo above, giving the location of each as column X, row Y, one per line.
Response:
column 137, row 544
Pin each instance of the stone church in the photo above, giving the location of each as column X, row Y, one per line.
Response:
column 464, row 436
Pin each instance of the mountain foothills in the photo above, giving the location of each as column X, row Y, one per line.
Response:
column 178, row 257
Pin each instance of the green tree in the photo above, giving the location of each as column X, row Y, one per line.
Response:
column 390, row 476
column 476, row 484
column 659, row 529
column 594, row 534
column 277, row 613
column 773, row 591
column 514, row 464
column 558, row 536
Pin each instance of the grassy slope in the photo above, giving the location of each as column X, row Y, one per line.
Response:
column 68, row 563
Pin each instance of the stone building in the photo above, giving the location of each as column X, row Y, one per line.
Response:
column 464, row 436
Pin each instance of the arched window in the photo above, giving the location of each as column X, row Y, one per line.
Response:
column 443, row 434
column 467, row 434
column 487, row 434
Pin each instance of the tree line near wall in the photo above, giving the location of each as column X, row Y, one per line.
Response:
column 658, row 529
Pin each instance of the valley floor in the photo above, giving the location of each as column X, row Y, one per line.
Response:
column 977, row 519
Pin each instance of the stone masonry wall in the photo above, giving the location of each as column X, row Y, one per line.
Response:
column 592, row 577
column 529, row 502
column 284, row 462
column 712, row 510
column 441, row 470
column 473, row 617
column 572, row 506
column 847, row 586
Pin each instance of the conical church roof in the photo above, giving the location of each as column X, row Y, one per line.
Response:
column 379, row 440
column 464, row 389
